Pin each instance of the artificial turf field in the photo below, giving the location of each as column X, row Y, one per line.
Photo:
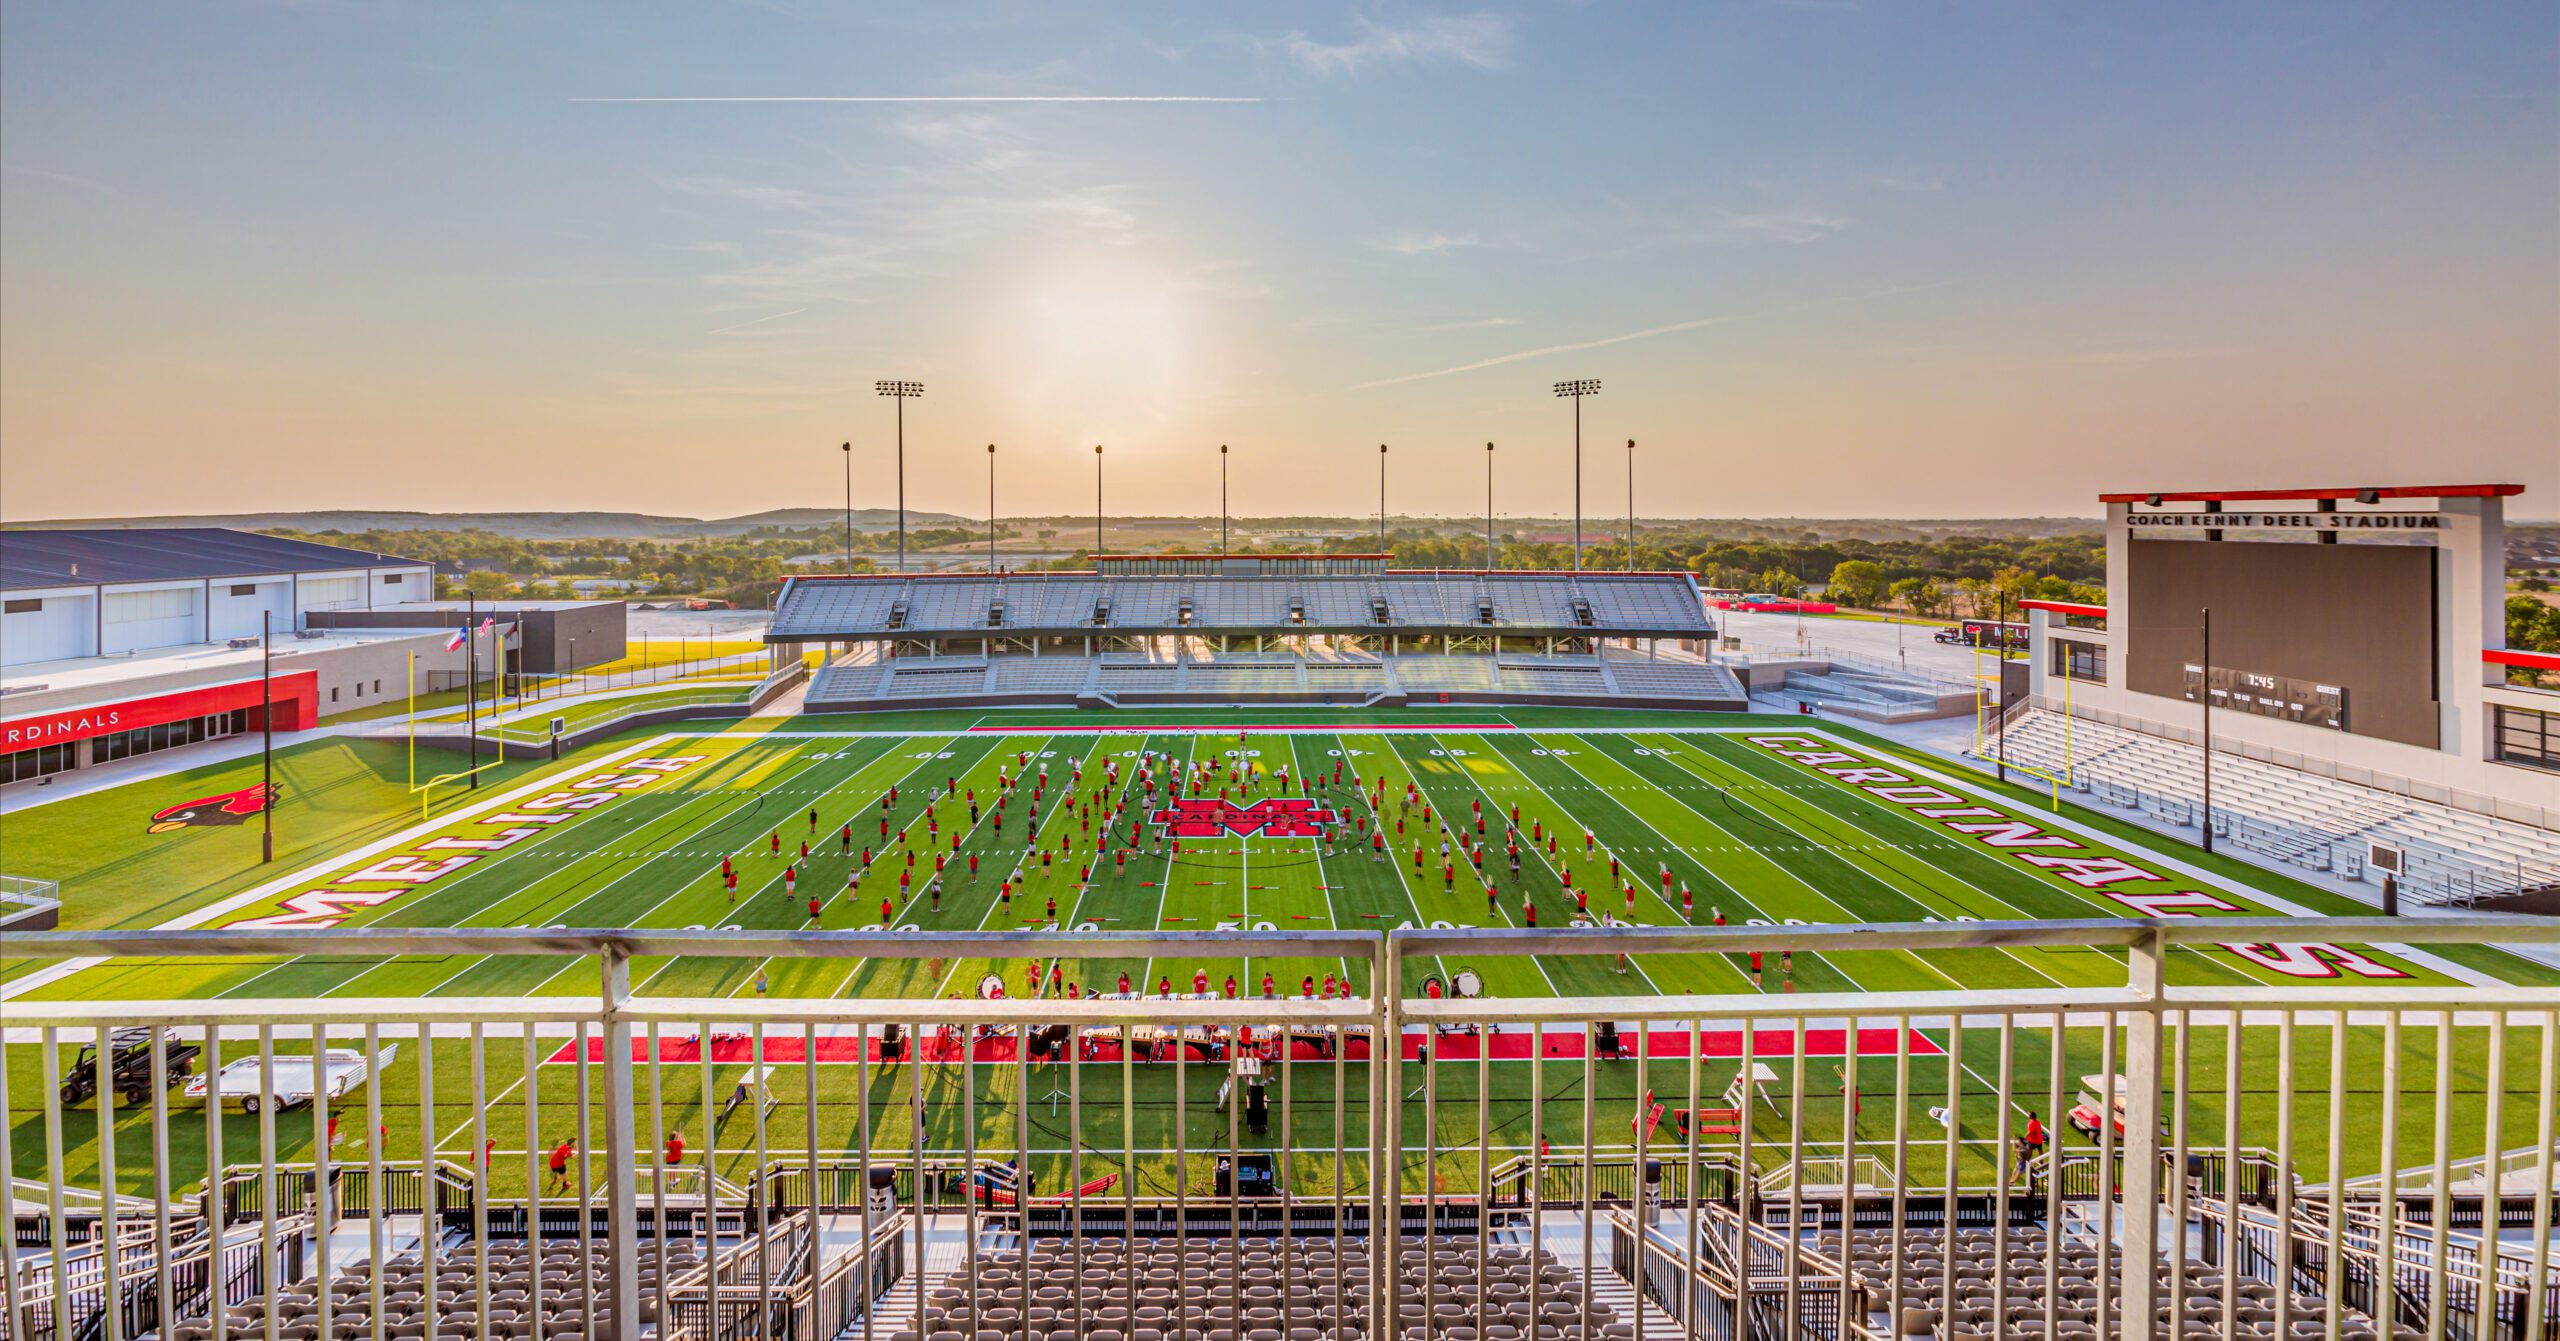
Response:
column 1736, row 811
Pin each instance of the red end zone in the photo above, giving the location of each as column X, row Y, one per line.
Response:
column 738, row 1047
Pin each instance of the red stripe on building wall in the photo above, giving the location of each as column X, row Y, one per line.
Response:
column 297, row 709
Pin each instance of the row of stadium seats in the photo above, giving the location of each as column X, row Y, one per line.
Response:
column 821, row 608
column 451, row 1296
column 1262, row 1290
column 2284, row 813
column 1065, row 679
column 1964, row 1306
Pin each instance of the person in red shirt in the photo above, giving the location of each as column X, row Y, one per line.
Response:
column 1266, row 982
column 730, row 879
column 560, row 1167
column 1124, row 984
column 1231, row 987
column 885, row 911
column 725, row 869
column 1200, row 981
column 1528, row 912
column 2030, row 1145
column 1329, row 983
column 1307, row 985
column 1164, row 984
column 1053, row 908
column 776, row 844
column 790, row 880
column 675, row 1147
column 973, row 868
column 1581, row 900
column 813, row 908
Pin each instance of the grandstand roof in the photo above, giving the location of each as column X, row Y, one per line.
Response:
column 2313, row 495
column 1637, row 605
column 54, row 558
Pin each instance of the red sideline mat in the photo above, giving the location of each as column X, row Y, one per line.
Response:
column 737, row 1047
column 1164, row 728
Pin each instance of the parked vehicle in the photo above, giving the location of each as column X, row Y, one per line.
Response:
column 129, row 1065
column 293, row 1081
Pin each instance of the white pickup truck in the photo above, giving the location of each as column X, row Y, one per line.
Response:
column 293, row 1081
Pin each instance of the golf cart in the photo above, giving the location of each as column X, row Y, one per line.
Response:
column 2086, row 1106
column 129, row 1065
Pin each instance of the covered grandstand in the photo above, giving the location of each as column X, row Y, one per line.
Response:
column 1261, row 629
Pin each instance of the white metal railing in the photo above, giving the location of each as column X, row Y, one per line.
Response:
column 1385, row 1119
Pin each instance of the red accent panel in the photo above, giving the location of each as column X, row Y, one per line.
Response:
column 2344, row 495
column 297, row 709
column 2510, row 656
column 2065, row 608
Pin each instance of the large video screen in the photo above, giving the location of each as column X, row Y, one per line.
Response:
column 2340, row 636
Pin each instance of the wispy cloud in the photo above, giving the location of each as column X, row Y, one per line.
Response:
column 961, row 97
column 1483, row 41
column 760, row 196
column 1428, row 244
column 1775, row 226
column 1480, row 323
column 777, row 316
column 1648, row 333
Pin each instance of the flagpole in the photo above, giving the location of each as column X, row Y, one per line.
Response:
column 267, row 732
column 471, row 683
column 413, row 721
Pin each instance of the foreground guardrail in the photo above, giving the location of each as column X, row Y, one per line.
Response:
column 547, row 1119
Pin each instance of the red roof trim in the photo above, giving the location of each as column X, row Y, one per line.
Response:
column 2343, row 495
column 2065, row 608
column 2510, row 656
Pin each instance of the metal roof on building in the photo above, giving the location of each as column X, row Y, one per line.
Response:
column 45, row 558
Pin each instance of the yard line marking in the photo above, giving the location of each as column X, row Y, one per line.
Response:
column 1773, row 917
column 740, row 804
column 443, row 894
column 336, row 861
column 1782, row 822
column 1505, row 913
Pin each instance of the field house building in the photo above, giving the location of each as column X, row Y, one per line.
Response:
column 125, row 641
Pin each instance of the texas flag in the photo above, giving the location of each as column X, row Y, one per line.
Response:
column 454, row 643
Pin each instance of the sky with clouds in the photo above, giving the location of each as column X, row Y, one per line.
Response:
column 1849, row 258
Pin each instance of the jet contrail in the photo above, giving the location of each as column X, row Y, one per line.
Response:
column 963, row 97
column 1648, row 333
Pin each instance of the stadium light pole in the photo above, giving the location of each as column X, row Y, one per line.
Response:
column 1488, row 507
column 1222, row 503
column 902, row 392
column 1097, row 507
column 267, row 736
column 991, row 507
column 2000, row 687
column 848, row 508
column 1631, row 505
column 1577, row 389
column 1382, row 502
column 2204, row 696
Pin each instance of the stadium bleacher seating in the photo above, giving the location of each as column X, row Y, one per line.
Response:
column 2319, row 823
column 1278, row 678
column 1236, row 1289
column 1937, row 1302
column 1640, row 604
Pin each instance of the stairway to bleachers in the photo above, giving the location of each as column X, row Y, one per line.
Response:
column 2285, row 814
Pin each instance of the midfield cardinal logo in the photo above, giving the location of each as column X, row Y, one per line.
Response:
column 220, row 808
column 1274, row 817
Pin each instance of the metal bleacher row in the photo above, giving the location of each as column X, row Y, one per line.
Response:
column 2323, row 824
column 1620, row 604
column 1614, row 676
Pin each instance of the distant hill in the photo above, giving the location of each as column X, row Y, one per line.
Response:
column 518, row 525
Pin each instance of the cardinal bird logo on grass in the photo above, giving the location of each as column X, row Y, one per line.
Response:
column 219, row 808
column 1275, row 817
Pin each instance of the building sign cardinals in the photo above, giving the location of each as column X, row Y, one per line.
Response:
column 219, row 808
column 1273, row 817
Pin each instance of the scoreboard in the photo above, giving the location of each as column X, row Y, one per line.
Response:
column 2295, row 700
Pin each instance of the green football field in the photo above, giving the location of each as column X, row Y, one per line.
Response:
column 1653, row 819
